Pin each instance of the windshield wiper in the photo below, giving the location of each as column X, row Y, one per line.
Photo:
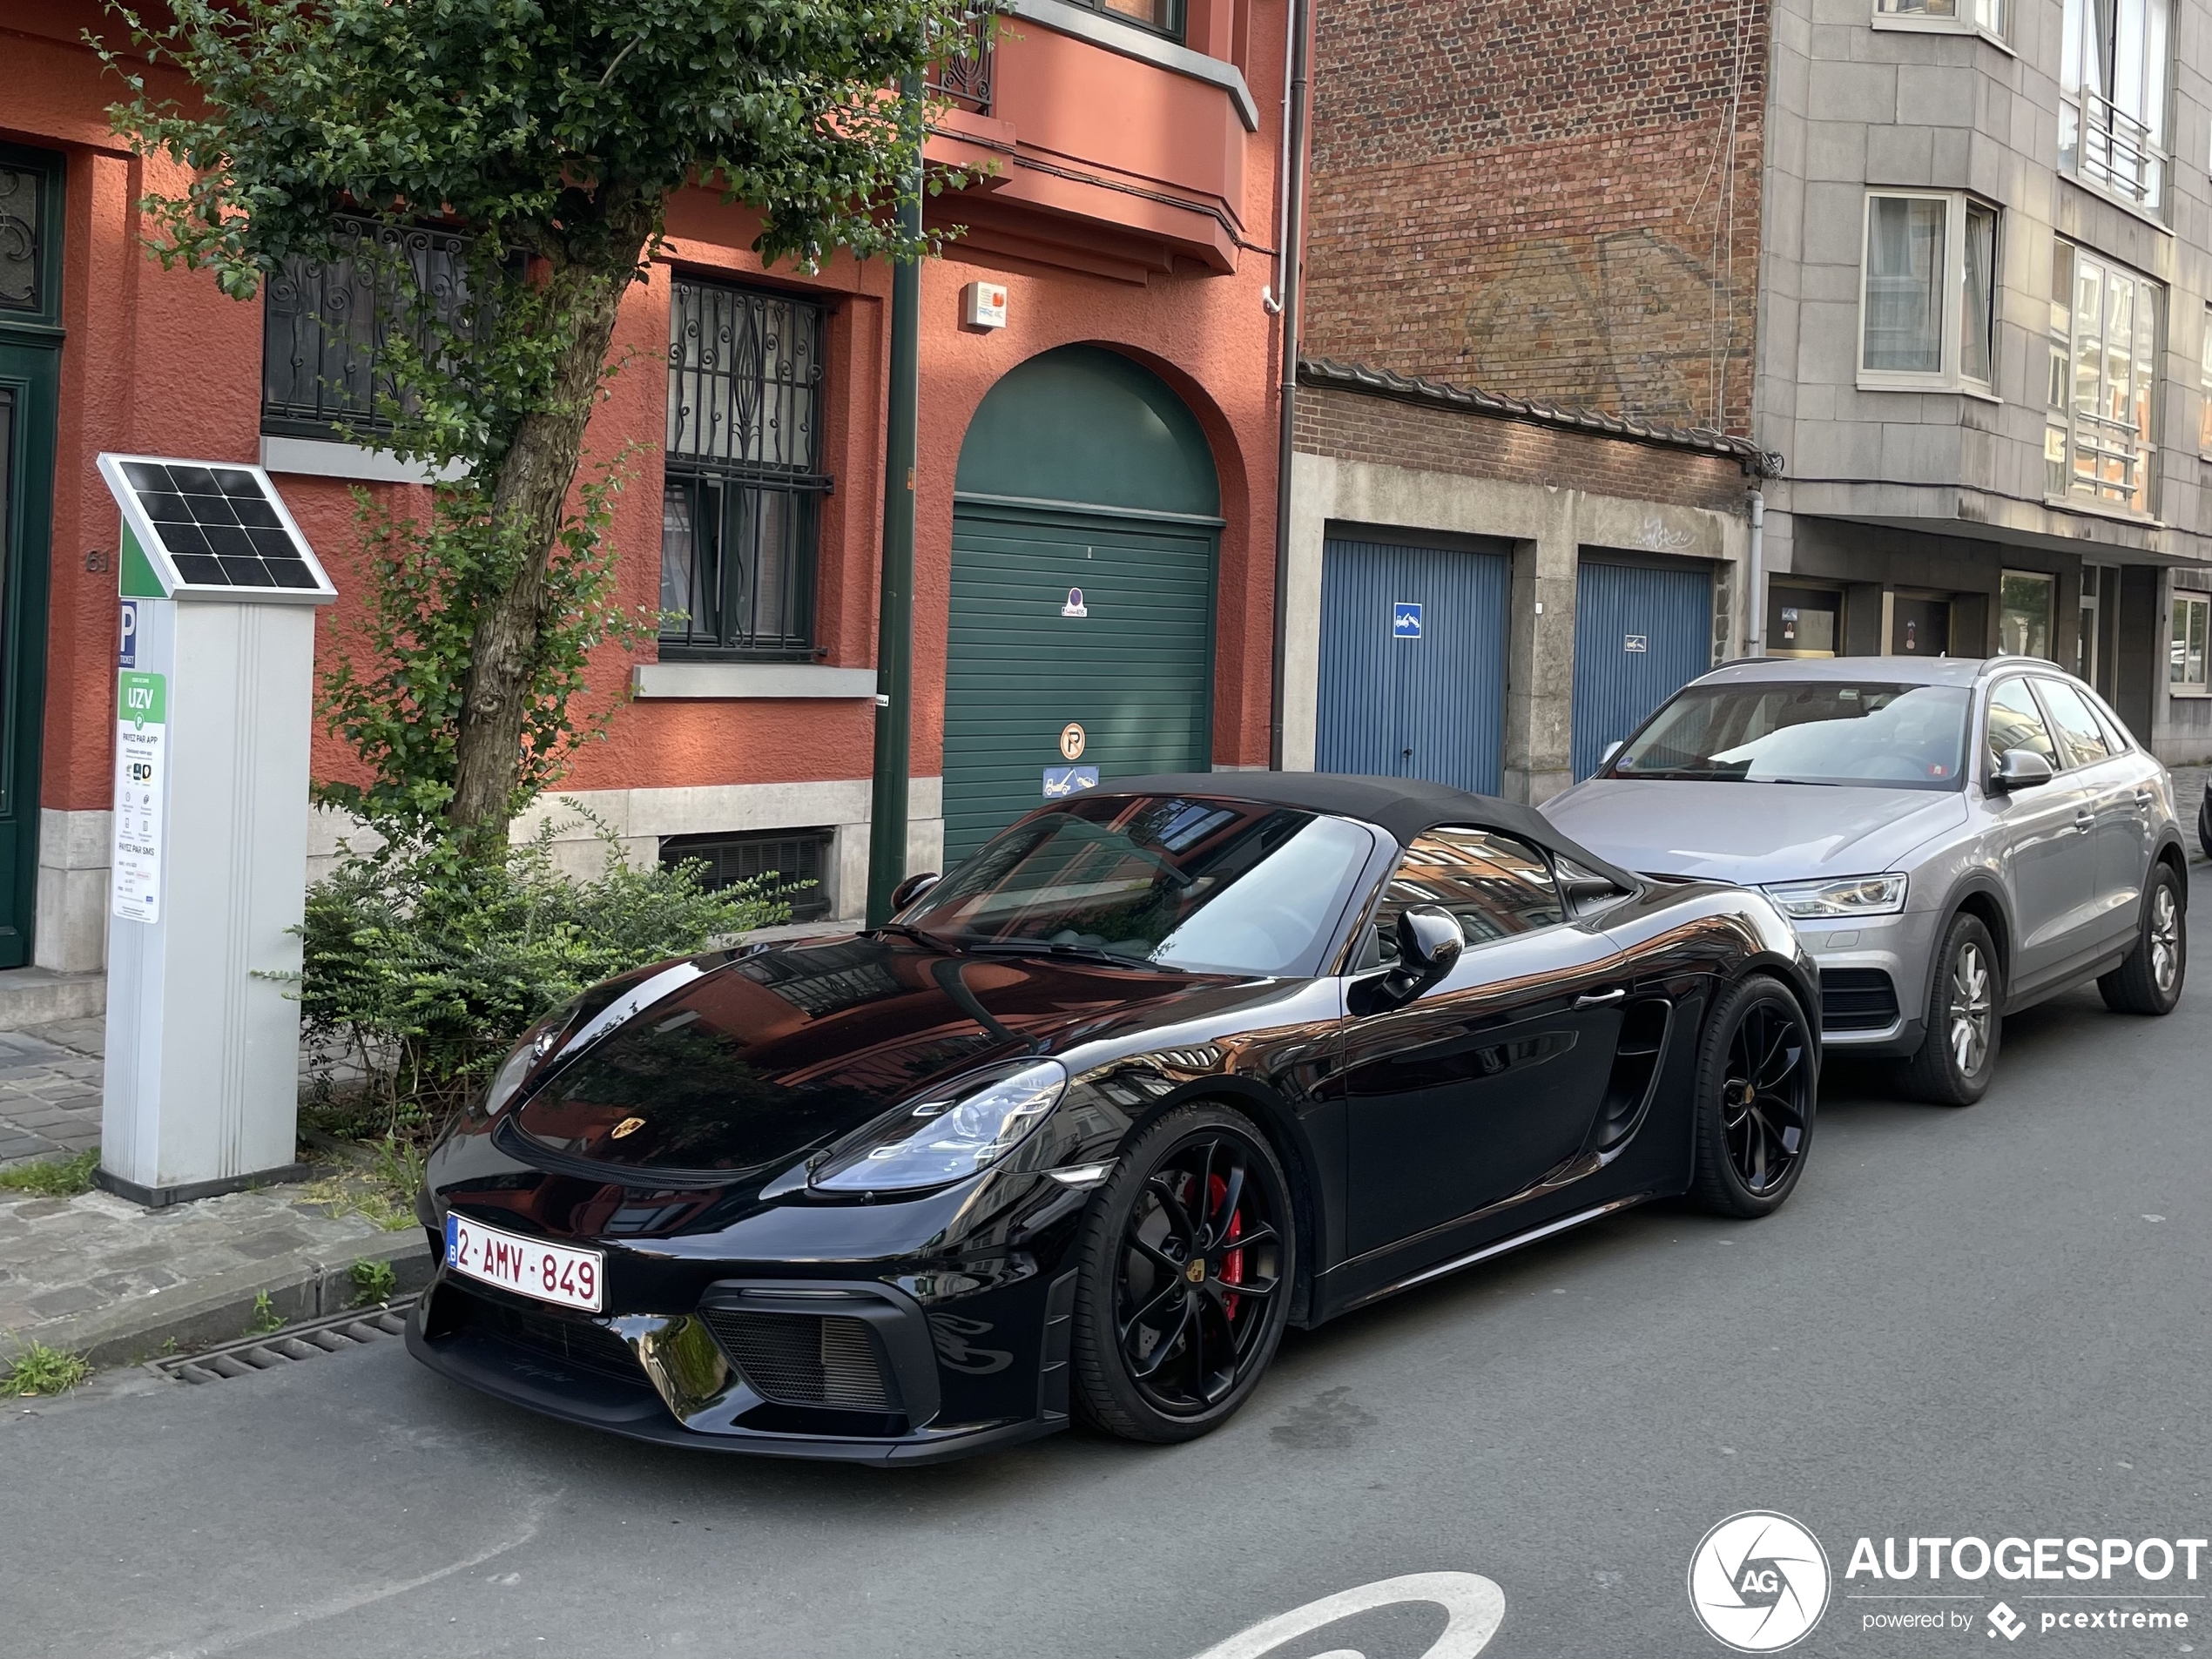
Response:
column 917, row 936
column 1049, row 947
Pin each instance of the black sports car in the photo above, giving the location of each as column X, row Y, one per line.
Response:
column 1162, row 1069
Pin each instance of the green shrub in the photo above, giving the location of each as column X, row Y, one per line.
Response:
column 374, row 1282
column 424, row 962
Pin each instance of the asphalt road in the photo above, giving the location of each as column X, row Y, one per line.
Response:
column 1990, row 1322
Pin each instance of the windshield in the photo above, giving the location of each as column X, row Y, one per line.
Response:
column 1207, row 885
column 1819, row 731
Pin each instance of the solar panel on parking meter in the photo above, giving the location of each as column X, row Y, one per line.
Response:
column 214, row 703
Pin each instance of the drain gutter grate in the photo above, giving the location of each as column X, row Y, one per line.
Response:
column 308, row 1340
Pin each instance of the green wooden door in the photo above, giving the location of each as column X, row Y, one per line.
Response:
column 30, row 222
column 1084, row 536
column 1135, row 671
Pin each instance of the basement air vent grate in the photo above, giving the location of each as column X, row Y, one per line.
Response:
column 309, row 1340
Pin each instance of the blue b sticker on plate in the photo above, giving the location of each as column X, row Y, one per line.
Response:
column 1060, row 781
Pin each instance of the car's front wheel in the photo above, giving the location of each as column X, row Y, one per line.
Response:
column 1757, row 1085
column 1958, row 1056
column 2149, row 981
column 1184, row 1278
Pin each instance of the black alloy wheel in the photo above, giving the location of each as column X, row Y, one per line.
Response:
column 1758, row 1084
column 2149, row 981
column 1965, row 1026
column 1185, row 1267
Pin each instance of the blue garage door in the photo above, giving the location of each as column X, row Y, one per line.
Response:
column 1640, row 635
column 1413, row 663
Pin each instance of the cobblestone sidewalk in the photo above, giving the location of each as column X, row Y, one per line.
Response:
column 99, row 1276
column 96, row 1275
column 49, row 1089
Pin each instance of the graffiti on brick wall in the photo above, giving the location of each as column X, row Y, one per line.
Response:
column 1625, row 320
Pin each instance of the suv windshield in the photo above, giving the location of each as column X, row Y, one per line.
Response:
column 1165, row 880
column 1808, row 732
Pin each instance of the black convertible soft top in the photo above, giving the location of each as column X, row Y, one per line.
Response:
column 1404, row 806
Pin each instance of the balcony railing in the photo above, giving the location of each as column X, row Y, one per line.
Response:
column 2112, row 150
column 964, row 75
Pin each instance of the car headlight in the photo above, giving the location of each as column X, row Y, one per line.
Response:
column 536, row 1044
column 1857, row 895
column 968, row 1127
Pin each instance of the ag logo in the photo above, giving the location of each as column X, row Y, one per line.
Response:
column 1759, row 1581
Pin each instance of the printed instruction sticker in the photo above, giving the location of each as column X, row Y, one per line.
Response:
column 141, row 794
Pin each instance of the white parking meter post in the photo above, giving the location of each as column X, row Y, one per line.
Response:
column 213, row 711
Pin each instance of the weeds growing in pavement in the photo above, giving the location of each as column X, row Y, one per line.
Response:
column 374, row 1282
column 41, row 1369
column 382, row 1189
column 52, row 1178
column 265, row 1318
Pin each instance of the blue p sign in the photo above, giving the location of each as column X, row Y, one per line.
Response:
column 1406, row 620
column 128, row 650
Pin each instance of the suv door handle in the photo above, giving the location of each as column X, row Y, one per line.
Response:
column 2084, row 818
column 1600, row 999
column 2143, row 797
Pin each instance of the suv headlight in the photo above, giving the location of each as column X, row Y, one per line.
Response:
column 1856, row 895
column 950, row 1136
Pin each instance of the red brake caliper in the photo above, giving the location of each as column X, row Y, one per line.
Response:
column 1232, row 1265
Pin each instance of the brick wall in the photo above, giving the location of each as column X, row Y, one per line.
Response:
column 1550, row 200
column 1355, row 426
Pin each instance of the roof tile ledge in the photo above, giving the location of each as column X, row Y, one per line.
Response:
column 1383, row 382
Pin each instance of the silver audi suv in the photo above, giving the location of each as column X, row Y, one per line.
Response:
column 1955, row 840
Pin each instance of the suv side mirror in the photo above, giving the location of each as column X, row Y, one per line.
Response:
column 911, row 889
column 2020, row 769
column 1429, row 943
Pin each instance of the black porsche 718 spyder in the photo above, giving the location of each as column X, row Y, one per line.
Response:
column 1162, row 1069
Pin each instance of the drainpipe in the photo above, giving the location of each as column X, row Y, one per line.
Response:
column 1289, row 254
column 895, row 616
column 1755, row 599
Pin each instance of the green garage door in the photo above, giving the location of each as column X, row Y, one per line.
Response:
column 1083, row 553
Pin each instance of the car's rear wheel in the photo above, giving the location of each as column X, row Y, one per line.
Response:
column 1958, row 1055
column 1757, row 1085
column 1183, row 1282
column 2204, row 824
column 2149, row 981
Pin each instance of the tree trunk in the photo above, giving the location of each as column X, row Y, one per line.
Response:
column 532, row 489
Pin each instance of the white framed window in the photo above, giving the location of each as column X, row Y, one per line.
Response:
column 2116, row 62
column 1927, row 298
column 1959, row 16
column 2185, row 667
column 2100, row 444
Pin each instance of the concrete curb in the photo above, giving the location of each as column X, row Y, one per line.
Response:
column 220, row 1308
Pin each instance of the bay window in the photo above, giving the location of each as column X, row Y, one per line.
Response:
column 2115, row 64
column 2104, row 326
column 1928, row 304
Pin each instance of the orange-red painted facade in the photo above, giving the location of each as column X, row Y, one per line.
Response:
column 1127, row 205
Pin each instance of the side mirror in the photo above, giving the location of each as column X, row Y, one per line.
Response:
column 1429, row 943
column 1611, row 749
column 911, row 889
column 2020, row 769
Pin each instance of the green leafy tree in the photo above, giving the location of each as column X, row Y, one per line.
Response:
column 552, row 134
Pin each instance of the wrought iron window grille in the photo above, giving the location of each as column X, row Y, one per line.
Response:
column 740, row 514
column 327, row 325
column 963, row 76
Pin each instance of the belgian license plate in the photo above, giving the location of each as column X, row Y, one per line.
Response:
column 528, row 1266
